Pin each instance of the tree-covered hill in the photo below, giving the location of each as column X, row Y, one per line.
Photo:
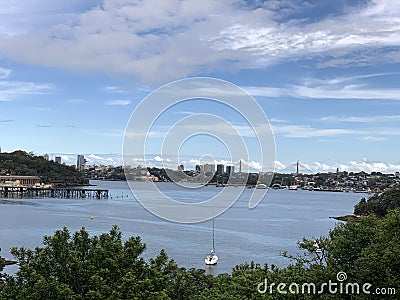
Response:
column 379, row 204
column 21, row 163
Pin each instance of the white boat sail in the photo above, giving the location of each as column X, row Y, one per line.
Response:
column 212, row 258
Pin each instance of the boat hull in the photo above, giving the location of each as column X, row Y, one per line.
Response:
column 211, row 260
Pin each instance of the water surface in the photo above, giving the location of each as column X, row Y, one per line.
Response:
column 260, row 234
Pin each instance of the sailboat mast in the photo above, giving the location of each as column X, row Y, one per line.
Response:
column 213, row 236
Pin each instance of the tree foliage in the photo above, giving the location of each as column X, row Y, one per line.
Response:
column 101, row 267
column 26, row 164
column 379, row 204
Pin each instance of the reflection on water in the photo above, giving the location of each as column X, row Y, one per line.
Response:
column 211, row 269
column 241, row 234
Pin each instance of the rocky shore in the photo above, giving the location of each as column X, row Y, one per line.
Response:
column 346, row 218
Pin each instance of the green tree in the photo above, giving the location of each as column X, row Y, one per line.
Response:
column 379, row 204
column 99, row 267
column 26, row 164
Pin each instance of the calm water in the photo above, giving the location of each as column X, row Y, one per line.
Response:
column 261, row 234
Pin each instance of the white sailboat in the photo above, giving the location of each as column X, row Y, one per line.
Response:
column 212, row 258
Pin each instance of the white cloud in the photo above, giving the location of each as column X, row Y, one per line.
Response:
column 277, row 120
column 369, row 119
column 223, row 162
column 10, row 90
column 186, row 113
column 307, row 131
column 367, row 166
column 334, row 36
column 374, row 138
column 254, row 165
column 93, row 156
column 349, row 87
column 338, row 80
column 118, row 102
column 113, row 89
column 351, row 166
column 150, row 39
column 158, row 159
column 279, row 165
column 345, row 92
column 327, row 92
column 66, row 159
column 266, row 91
column 321, row 167
column 21, row 17
column 94, row 159
column 160, row 40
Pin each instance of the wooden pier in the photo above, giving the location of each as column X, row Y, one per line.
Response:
column 51, row 192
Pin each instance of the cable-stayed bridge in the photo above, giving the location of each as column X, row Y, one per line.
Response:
column 297, row 168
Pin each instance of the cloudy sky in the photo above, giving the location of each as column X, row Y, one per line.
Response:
column 326, row 74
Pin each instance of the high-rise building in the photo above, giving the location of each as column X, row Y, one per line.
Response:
column 57, row 159
column 199, row 168
column 46, row 157
column 80, row 163
column 209, row 168
column 230, row 170
column 220, row 169
column 181, row 168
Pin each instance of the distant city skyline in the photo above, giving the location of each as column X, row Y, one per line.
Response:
column 189, row 163
column 325, row 73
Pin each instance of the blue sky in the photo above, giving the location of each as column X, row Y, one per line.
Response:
column 326, row 74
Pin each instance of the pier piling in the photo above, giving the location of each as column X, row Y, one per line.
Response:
column 51, row 192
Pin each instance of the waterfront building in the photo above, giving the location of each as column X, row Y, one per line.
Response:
column 19, row 180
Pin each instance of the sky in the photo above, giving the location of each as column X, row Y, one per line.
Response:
column 325, row 73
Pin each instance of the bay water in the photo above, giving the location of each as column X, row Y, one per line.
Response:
column 241, row 234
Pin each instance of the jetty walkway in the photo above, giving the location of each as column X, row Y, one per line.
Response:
column 12, row 191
